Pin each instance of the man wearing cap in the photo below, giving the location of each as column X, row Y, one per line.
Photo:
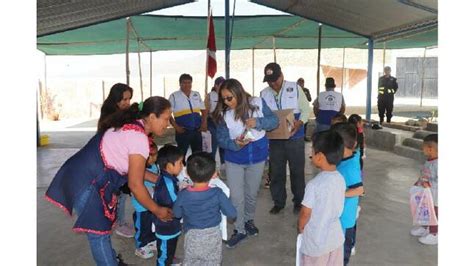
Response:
column 387, row 88
column 281, row 94
column 187, row 107
column 328, row 104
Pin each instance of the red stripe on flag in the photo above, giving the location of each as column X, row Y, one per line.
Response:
column 211, row 49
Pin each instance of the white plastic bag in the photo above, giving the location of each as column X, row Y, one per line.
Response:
column 422, row 206
column 206, row 141
column 217, row 182
column 299, row 255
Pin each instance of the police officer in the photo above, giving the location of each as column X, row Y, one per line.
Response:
column 281, row 94
column 387, row 88
column 188, row 111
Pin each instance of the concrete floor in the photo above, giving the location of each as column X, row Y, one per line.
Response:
column 383, row 228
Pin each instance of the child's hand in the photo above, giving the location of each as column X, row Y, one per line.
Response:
column 164, row 214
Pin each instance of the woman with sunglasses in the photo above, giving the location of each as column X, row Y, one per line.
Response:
column 241, row 124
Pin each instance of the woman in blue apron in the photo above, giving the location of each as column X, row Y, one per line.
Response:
column 89, row 181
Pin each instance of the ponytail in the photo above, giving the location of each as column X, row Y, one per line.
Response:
column 156, row 105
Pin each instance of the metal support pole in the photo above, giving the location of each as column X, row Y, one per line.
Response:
column 383, row 62
column 227, row 41
column 151, row 73
column 140, row 70
column 319, row 57
column 253, row 71
column 103, row 91
column 41, row 100
column 343, row 70
column 369, row 80
column 38, row 138
column 274, row 50
column 127, row 67
column 422, row 77
column 164, row 87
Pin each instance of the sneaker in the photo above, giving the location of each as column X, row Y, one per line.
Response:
column 419, row 231
column 250, row 228
column 429, row 239
column 152, row 246
column 235, row 239
column 276, row 209
column 125, row 230
column 144, row 252
column 353, row 251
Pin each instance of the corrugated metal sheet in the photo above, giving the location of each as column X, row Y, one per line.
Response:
column 60, row 15
column 409, row 75
column 380, row 20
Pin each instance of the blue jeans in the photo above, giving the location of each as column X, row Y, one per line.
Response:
column 101, row 245
column 212, row 128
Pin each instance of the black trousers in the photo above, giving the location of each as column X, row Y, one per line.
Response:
column 385, row 105
column 349, row 243
column 191, row 138
column 142, row 222
column 166, row 250
column 281, row 152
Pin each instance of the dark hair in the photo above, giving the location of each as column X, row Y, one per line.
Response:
column 341, row 118
column 330, row 144
column 184, row 77
column 168, row 154
column 354, row 119
column 155, row 104
column 201, row 167
column 110, row 104
column 243, row 101
column 431, row 138
column 348, row 133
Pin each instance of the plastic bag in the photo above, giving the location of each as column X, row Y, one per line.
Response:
column 206, row 141
column 299, row 255
column 217, row 182
column 422, row 206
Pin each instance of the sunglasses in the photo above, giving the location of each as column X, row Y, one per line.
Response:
column 228, row 98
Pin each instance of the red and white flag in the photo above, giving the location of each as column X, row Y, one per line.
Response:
column 211, row 49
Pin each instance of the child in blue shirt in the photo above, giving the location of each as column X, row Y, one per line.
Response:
column 200, row 206
column 349, row 168
column 143, row 218
column 170, row 161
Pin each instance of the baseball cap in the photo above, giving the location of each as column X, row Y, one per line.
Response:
column 272, row 72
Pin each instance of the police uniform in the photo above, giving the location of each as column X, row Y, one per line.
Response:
column 187, row 114
column 283, row 151
column 387, row 88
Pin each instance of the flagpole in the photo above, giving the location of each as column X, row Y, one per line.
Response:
column 207, row 52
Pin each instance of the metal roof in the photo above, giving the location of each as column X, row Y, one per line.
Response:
column 380, row 20
column 60, row 15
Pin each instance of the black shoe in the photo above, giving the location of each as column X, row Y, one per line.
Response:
column 297, row 209
column 251, row 229
column 276, row 209
column 235, row 239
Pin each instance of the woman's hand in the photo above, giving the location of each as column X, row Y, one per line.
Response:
column 251, row 123
column 164, row 214
column 241, row 143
